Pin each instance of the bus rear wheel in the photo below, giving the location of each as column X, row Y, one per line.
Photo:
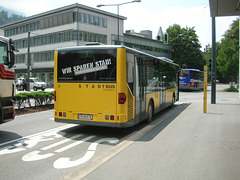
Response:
column 150, row 112
column 173, row 101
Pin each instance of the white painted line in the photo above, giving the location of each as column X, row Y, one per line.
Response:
column 61, row 142
column 75, row 144
column 41, row 133
column 65, row 162
column 34, row 156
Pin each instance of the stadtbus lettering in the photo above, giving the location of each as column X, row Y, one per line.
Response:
column 102, row 86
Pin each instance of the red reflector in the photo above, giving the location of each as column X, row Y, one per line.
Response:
column 121, row 98
column 112, row 117
column 55, row 98
column 60, row 114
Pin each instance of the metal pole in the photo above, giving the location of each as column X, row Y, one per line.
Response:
column 28, row 62
column 205, row 90
column 239, row 61
column 100, row 5
column 118, row 43
column 213, row 66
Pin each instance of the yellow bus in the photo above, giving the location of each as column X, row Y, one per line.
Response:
column 114, row 86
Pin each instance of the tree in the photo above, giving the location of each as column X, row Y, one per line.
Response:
column 4, row 19
column 186, row 47
column 228, row 57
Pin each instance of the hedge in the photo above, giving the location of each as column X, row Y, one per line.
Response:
column 39, row 98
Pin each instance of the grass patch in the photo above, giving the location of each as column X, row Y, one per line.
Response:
column 232, row 89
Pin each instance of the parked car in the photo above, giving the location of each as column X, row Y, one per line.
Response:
column 36, row 83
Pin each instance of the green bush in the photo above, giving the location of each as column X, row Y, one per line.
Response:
column 232, row 89
column 40, row 98
column 19, row 99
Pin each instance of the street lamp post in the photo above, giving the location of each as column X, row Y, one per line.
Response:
column 28, row 62
column 100, row 5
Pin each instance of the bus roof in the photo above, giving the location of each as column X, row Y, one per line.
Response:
column 117, row 46
column 193, row 70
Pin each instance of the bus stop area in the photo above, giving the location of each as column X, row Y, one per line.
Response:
column 187, row 144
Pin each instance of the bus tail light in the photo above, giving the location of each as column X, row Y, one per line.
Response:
column 121, row 98
column 55, row 97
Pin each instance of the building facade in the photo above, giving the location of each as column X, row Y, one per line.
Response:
column 72, row 25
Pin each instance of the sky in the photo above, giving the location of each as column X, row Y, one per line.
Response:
column 146, row 15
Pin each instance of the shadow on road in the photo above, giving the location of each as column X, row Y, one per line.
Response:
column 160, row 121
column 6, row 136
column 164, row 122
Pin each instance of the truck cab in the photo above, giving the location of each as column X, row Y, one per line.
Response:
column 7, row 77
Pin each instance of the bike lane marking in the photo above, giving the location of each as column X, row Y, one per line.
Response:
column 28, row 142
column 34, row 155
column 74, row 144
column 65, row 162
column 61, row 142
column 38, row 134
column 32, row 140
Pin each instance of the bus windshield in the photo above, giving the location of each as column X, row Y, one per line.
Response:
column 87, row 65
column 184, row 72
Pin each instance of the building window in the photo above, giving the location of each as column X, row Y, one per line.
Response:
column 89, row 19
column 44, row 56
column 22, row 29
column 59, row 37
column 20, row 59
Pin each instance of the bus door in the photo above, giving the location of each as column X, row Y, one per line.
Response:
column 162, row 86
column 140, row 98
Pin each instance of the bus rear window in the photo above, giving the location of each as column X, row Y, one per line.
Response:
column 90, row 65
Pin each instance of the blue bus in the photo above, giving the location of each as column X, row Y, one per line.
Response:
column 191, row 79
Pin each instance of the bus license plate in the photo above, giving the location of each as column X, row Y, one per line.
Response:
column 83, row 116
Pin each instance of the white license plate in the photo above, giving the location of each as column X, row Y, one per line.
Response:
column 83, row 116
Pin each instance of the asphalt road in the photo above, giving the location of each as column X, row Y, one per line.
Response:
column 35, row 147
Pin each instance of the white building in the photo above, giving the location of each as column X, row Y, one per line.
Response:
column 72, row 25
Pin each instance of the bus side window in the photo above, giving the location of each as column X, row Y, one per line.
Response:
column 130, row 70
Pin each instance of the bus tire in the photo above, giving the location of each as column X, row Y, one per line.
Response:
column 1, row 114
column 150, row 112
column 173, row 100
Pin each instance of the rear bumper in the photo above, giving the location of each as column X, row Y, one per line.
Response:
column 94, row 123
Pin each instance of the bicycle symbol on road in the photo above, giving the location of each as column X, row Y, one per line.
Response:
column 63, row 162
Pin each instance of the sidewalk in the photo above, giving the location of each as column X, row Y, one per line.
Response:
column 190, row 146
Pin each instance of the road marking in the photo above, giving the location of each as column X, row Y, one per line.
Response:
column 61, row 142
column 34, row 156
column 32, row 140
column 74, row 144
column 38, row 134
column 28, row 142
column 65, row 162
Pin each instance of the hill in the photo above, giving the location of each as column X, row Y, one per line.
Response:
column 10, row 11
column 8, row 15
